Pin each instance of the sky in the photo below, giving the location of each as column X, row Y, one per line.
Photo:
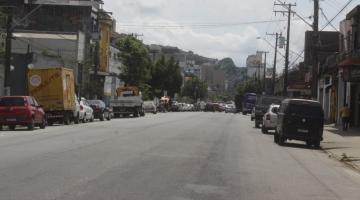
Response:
column 222, row 28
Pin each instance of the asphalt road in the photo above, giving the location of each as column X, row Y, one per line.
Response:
column 173, row 156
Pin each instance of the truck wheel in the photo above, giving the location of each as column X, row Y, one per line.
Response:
column 77, row 119
column 66, row 119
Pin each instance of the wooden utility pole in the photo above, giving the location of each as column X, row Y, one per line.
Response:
column 286, row 70
column 315, row 47
column 277, row 35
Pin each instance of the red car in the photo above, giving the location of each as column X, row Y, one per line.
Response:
column 21, row 110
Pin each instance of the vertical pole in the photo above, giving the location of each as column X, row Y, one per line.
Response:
column 264, row 76
column 315, row 64
column 274, row 68
column 8, row 52
column 287, row 53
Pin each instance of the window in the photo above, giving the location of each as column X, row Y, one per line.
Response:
column 12, row 101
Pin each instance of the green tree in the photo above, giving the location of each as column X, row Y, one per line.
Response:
column 195, row 89
column 252, row 85
column 166, row 76
column 136, row 60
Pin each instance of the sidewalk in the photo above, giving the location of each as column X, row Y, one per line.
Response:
column 343, row 146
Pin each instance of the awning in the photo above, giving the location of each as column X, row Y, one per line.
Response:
column 350, row 62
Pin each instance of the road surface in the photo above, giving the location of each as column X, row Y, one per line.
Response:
column 172, row 156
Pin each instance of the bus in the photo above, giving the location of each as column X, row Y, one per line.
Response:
column 248, row 102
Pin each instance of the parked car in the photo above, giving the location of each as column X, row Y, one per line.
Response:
column 270, row 119
column 262, row 105
column 100, row 110
column 210, row 107
column 230, row 108
column 87, row 111
column 300, row 119
column 21, row 110
column 149, row 107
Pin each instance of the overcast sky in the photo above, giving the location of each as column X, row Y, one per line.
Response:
column 215, row 28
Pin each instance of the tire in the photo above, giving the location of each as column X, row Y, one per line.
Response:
column 43, row 124
column 317, row 144
column 264, row 130
column 31, row 125
column 276, row 138
column 281, row 140
column 257, row 125
column 12, row 127
column 244, row 113
column 84, row 119
column 308, row 143
column 92, row 118
column 66, row 119
column 77, row 119
column 1, row 127
column 102, row 117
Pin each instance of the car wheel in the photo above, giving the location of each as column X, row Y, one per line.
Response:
column 276, row 138
column 1, row 127
column 281, row 140
column 92, row 118
column 102, row 117
column 257, row 125
column 263, row 129
column 244, row 113
column 317, row 144
column 31, row 125
column 43, row 124
column 308, row 143
column 12, row 127
column 84, row 119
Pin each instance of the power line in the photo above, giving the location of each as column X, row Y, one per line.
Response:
column 327, row 20
column 346, row 5
column 208, row 25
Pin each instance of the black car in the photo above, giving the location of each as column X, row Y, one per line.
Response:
column 100, row 110
column 300, row 119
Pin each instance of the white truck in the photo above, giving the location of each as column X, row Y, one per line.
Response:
column 128, row 102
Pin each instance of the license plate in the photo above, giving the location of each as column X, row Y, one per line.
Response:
column 303, row 131
column 11, row 120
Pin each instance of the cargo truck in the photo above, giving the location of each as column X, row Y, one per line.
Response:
column 128, row 102
column 55, row 91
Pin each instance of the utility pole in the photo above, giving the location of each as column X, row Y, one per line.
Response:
column 314, row 80
column 264, row 75
column 286, row 70
column 7, row 56
column 277, row 35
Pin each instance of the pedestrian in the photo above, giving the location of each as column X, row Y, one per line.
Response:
column 345, row 116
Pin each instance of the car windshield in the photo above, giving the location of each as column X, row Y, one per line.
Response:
column 15, row 101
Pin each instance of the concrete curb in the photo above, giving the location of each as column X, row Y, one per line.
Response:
column 340, row 159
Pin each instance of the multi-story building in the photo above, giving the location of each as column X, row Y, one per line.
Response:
column 254, row 65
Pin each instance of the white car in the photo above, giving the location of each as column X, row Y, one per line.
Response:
column 86, row 111
column 270, row 119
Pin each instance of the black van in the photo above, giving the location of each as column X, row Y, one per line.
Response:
column 300, row 119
